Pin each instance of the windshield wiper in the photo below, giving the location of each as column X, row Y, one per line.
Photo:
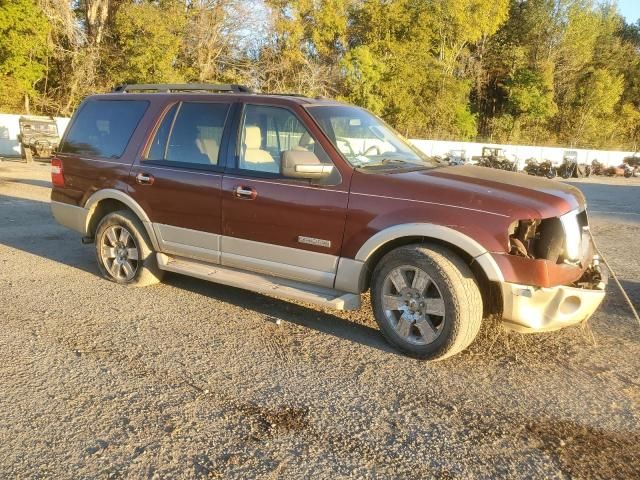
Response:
column 387, row 161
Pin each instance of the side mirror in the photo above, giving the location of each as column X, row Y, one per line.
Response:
column 303, row 164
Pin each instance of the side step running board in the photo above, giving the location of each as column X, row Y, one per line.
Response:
column 278, row 287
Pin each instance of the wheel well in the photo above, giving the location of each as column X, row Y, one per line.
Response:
column 489, row 290
column 104, row 207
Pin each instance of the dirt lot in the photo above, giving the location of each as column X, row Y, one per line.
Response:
column 189, row 379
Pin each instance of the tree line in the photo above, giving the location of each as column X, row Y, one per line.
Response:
column 545, row 72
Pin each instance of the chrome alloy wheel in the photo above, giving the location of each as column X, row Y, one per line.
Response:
column 119, row 253
column 413, row 304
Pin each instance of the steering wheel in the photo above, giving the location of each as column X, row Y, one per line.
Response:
column 352, row 152
column 366, row 152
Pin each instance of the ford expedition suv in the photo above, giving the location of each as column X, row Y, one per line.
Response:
column 319, row 201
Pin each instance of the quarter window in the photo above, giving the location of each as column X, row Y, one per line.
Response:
column 103, row 128
column 159, row 145
column 190, row 133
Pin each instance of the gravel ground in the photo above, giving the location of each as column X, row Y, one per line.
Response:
column 192, row 380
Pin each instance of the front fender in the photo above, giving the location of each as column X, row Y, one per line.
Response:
column 437, row 232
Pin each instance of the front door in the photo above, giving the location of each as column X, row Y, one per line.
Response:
column 177, row 180
column 280, row 226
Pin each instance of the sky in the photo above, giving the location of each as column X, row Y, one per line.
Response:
column 630, row 9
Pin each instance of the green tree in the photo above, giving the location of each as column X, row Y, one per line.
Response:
column 363, row 71
column 629, row 127
column 23, row 52
column 147, row 40
column 414, row 68
column 529, row 105
column 306, row 44
column 591, row 119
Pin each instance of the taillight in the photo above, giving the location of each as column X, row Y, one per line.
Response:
column 57, row 173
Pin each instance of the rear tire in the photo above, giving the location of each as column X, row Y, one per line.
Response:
column 432, row 322
column 124, row 252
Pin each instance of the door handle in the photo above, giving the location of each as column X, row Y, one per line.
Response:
column 246, row 193
column 144, row 179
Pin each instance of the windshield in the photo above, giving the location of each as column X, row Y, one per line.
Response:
column 365, row 140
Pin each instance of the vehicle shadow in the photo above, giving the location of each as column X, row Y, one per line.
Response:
column 276, row 309
column 29, row 181
column 27, row 225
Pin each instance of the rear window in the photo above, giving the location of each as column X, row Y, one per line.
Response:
column 103, row 128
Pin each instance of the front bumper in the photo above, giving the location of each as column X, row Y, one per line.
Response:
column 529, row 309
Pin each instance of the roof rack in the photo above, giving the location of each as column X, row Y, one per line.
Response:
column 182, row 87
column 287, row 94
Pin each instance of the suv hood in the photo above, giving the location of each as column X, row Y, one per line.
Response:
column 516, row 195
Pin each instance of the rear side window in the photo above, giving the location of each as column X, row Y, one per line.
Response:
column 103, row 128
column 191, row 134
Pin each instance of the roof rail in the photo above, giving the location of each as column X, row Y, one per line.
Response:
column 181, row 87
column 287, row 94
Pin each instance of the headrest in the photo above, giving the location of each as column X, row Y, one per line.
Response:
column 252, row 137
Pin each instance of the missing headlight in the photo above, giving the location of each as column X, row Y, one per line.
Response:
column 549, row 243
column 521, row 236
column 542, row 239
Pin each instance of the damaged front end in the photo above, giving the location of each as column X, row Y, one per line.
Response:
column 557, row 239
column 563, row 246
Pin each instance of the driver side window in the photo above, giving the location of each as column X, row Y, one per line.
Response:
column 268, row 132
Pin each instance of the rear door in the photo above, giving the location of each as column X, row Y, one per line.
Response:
column 177, row 178
column 281, row 226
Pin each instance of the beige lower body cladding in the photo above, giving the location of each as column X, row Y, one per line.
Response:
column 529, row 309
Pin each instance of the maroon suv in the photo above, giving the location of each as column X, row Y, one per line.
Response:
column 319, row 201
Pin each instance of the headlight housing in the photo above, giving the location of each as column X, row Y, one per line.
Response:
column 572, row 235
column 557, row 239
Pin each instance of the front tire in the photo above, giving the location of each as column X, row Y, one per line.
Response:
column 124, row 252
column 426, row 301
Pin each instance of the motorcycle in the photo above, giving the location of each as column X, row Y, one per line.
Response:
column 543, row 169
column 631, row 167
column 630, row 171
column 597, row 168
column 570, row 168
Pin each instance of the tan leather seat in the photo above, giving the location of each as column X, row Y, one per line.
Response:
column 253, row 157
column 210, row 148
